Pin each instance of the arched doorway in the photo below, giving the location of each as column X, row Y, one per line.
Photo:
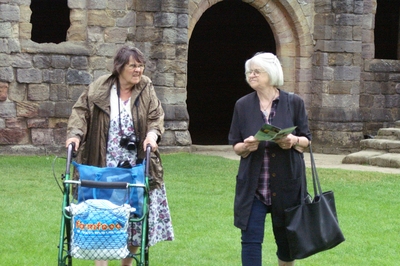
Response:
column 227, row 34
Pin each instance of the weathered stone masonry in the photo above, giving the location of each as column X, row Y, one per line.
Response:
column 353, row 93
column 41, row 82
column 326, row 48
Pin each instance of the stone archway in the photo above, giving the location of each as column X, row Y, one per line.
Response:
column 227, row 34
column 293, row 46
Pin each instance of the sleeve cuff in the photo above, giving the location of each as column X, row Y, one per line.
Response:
column 152, row 135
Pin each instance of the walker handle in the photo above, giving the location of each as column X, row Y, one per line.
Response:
column 100, row 184
column 147, row 166
column 70, row 154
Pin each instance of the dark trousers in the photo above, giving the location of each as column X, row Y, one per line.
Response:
column 253, row 237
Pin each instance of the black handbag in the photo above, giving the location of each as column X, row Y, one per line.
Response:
column 312, row 226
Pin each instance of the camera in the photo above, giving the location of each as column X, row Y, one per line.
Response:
column 129, row 142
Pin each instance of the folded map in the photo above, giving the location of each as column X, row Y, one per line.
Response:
column 270, row 133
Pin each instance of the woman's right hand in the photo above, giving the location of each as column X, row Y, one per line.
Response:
column 73, row 140
column 249, row 145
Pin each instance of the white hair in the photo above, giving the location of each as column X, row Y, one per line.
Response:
column 270, row 64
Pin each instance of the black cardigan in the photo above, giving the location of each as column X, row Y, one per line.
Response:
column 286, row 167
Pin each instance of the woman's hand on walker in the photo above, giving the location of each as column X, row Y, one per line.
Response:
column 152, row 142
column 73, row 140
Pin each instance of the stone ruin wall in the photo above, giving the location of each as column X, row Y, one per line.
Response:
column 347, row 92
column 40, row 82
column 353, row 93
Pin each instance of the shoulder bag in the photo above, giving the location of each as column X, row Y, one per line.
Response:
column 312, row 226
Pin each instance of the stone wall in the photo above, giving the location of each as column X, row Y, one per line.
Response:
column 326, row 48
column 351, row 95
column 40, row 82
column 380, row 94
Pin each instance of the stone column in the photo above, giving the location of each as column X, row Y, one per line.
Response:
column 334, row 118
column 162, row 34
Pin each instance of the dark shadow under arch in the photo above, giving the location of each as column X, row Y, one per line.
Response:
column 226, row 35
column 387, row 29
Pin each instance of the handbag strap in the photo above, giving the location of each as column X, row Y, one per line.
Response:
column 316, row 183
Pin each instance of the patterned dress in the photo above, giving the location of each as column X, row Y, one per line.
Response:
column 160, row 225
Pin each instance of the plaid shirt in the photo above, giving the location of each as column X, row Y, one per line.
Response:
column 263, row 192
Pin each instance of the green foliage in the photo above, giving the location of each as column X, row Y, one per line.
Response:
column 200, row 193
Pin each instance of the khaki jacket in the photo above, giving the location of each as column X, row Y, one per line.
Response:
column 90, row 119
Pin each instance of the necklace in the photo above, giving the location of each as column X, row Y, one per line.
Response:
column 264, row 110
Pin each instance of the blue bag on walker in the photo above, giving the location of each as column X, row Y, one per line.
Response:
column 99, row 230
column 133, row 196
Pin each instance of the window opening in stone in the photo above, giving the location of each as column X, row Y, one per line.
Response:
column 387, row 29
column 50, row 21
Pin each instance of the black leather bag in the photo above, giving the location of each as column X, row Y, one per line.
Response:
column 312, row 227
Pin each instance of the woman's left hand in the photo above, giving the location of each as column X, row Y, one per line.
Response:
column 152, row 142
column 287, row 142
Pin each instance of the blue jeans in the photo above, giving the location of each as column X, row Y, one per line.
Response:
column 253, row 237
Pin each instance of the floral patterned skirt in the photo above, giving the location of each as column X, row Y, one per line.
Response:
column 160, row 224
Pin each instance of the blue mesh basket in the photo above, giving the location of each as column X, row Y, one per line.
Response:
column 99, row 230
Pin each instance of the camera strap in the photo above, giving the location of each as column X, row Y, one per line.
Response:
column 136, row 103
column 119, row 108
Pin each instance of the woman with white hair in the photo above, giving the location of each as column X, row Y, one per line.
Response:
column 270, row 172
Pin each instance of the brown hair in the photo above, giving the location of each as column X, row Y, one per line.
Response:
column 122, row 57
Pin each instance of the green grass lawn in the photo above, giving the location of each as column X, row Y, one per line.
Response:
column 200, row 192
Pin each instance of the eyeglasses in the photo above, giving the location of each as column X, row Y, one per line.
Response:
column 133, row 67
column 255, row 72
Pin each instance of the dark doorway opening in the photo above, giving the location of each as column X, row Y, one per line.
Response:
column 387, row 29
column 227, row 34
column 50, row 21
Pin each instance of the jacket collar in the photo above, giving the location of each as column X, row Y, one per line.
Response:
column 101, row 94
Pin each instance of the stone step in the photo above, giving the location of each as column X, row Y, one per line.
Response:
column 373, row 157
column 386, row 160
column 361, row 157
column 383, row 150
column 389, row 133
column 386, row 145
